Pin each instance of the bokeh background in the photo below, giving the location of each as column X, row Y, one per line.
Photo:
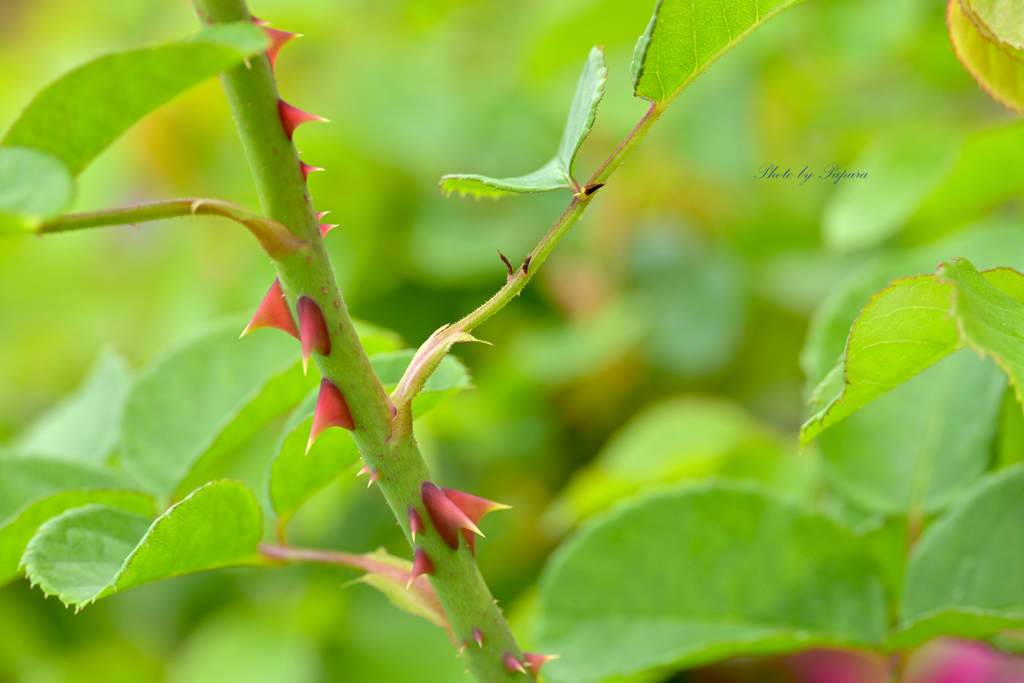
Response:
column 690, row 280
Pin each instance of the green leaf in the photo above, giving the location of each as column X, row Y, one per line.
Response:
column 700, row 574
column 17, row 531
column 682, row 438
column 901, row 174
column 90, row 552
column 450, row 377
column 986, row 244
column 989, row 314
column 966, row 574
column 915, row 449
column 685, row 37
column 23, row 480
column 1004, row 19
column 557, row 173
column 999, row 70
column 296, row 475
column 84, row 426
column 194, row 407
column 34, row 186
column 80, row 114
column 917, row 322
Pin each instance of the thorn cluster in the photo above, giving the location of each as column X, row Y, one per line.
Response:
column 453, row 512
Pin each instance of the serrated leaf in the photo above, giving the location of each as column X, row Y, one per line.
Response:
column 682, row 438
column 915, row 449
column 701, row 574
column 988, row 244
column 90, row 552
column 80, row 114
column 558, row 173
column 23, row 480
column 34, row 186
column 965, row 576
column 193, row 408
column 84, row 426
column 917, row 322
column 296, row 475
column 901, row 173
column 17, row 530
column 685, row 37
column 999, row 70
column 450, row 377
column 1004, row 19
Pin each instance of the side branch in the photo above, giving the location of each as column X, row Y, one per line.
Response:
column 277, row 239
column 433, row 351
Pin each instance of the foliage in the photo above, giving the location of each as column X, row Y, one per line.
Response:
column 643, row 406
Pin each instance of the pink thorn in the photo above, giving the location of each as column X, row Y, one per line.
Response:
column 313, row 331
column 307, row 169
column 331, row 411
column 273, row 312
column 448, row 519
column 475, row 507
column 535, row 661
column 366, row 470
column 326, row 228
column 320, row 215
column 278, row 39
column 512, row 664
column 260, row 22
column 415, row 522
column 293, row 117
column 478, row 636
column 421, row 565
column 374, row 476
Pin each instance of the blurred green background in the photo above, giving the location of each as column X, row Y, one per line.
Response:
column 689, row 280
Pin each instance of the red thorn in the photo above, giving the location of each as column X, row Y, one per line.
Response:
column 475, row 507
column 415, row 522
column 421, row 565
column 293, row 117
column 512, row 664
column 278, row 39
column 448, row 519
column 366, row 470
column 331, row 411
column 320, row 215
column 326, row 228
column 312, row 331
column 307, row 169
column 374, row 476
column 478, row 636
column 535, row 661
column 259, row 22
column 273, row 312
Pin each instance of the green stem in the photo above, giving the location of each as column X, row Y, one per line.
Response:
column 468, row 604
column 140, row 213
